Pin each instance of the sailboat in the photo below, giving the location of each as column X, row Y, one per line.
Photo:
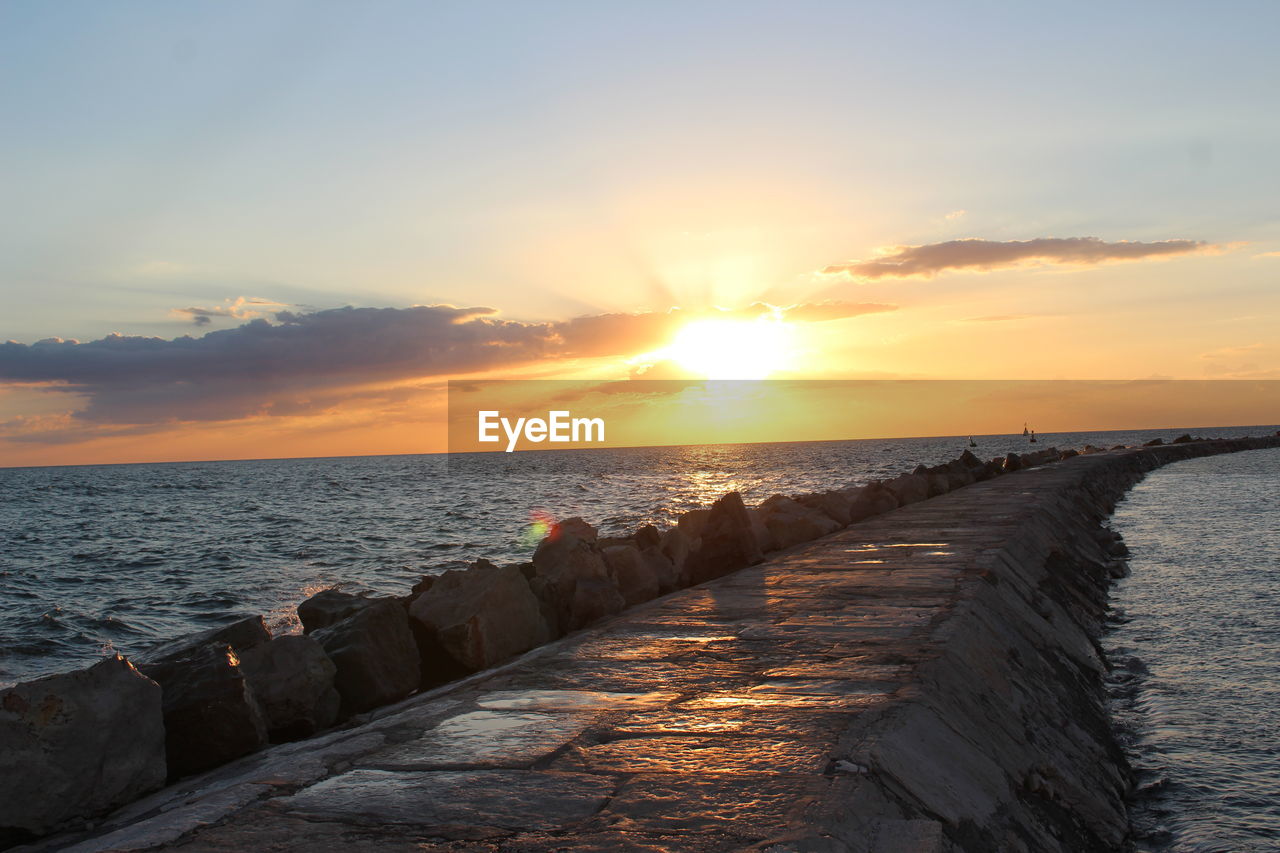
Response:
column 1024, row 429
column 972, row 443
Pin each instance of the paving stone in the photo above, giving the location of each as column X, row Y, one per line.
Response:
column 507, row 799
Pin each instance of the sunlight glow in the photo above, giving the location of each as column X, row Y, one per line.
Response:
column 733, row 349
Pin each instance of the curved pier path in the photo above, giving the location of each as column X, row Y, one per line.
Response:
column 928, row 679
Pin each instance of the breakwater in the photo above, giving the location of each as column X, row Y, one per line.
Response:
column 927, row 673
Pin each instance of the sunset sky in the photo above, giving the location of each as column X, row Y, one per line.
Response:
column 277, row 229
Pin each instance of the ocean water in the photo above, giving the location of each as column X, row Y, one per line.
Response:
column 122, row 557
column 1196, row 650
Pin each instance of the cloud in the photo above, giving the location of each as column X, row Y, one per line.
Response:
column 975, row 254
column 298, row 362
column 818, row 312
column 241, row 308
column 955, row 214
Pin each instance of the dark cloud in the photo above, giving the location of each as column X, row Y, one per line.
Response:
column 974, row 254
column 311, row 361
column 236, row 372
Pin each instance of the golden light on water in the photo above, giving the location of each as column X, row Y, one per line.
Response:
column 733, row 349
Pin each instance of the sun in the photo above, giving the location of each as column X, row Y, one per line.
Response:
column 733, row 349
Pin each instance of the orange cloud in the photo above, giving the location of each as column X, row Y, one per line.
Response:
column 976, row 254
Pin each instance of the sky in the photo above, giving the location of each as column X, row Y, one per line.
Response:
column 243, row 230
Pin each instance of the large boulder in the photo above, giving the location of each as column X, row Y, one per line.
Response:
column 939, row 481
column 649, row 541
column 563, row 560
column 790, row 522
column 675, row 546
column 1012, row 462
column 692, row 522
column 726, row 542
column 211, row 715
column 959, row 474
column 479, row 617
column 595, row 599
column 292, row 679
column 834, row 505
column 329, row 607
column 77, row 745
column 909, row 488
column 870, row 500
column 241, row 635
column 632, row 573
column 758, row 527
column 375, row 655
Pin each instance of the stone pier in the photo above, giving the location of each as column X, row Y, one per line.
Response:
column 928, row 679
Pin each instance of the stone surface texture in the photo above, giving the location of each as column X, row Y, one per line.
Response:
column 925, row 680
column 80, row 743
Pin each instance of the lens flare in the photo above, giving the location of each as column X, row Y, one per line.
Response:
column 541, row 525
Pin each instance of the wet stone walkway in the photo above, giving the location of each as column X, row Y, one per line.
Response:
column 741, row 714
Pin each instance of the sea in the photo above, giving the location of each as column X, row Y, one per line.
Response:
column 1195, row 646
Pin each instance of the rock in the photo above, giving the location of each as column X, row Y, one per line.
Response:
column 969, row 460
column 1067, row 454
column 77, row 745
column 241, row 635
column 1155, row 442
column 480, row 617
column 662, row 568
column 834, row 505
column 994, row 468
column 692, row 522
column 1119, row 447
column 675, row 547
column 330, row 606
column 909, row 488
column 790, row 522
column 211, row 715
column 1037, row 457
column 648, row 537
column 758, row 527
column 633, row 575
column 421, row 586
column 578, row 529
column 375, row 655
column 292, row 679
column 939, row 483
column 564, row 559
column 870, row 500
column 959, row 474
column 727, row 542
column 1012, row 462
column 595, row 599
column 1185, row 438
